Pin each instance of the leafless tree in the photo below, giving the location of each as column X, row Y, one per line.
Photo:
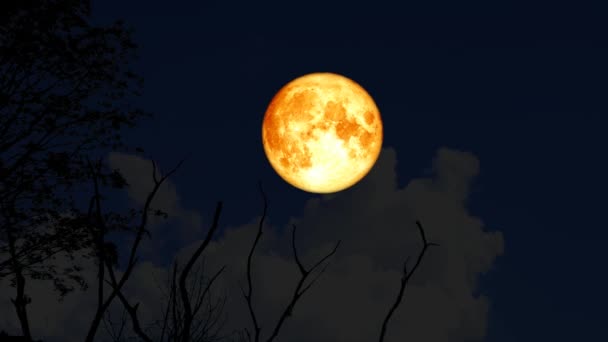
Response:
column 303, row 285
column 65, row 87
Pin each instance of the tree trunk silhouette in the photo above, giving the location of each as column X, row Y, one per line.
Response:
column 21, row 300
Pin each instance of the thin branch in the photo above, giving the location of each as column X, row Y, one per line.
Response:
column 132, row 310
column 295, row 252
column 248, row 296
column 206, row 290
column 184, row 274
column 405, row 278
column 170, row 299
column 108, row 324
column 97, row 233
column 154, row 177
column 300, row 288
column 141, row 229
column 174, row 304
column 123, row 322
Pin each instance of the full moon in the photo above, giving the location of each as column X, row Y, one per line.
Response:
column 322, row 133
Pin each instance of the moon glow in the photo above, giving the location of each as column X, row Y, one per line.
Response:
column 322, row 132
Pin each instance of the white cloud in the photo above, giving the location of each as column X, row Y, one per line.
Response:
column 375, row 221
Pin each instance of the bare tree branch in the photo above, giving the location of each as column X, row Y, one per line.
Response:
column 405, row 278
column 176, row 322
column 97, row 231
column 105, row 262
column 189, row 316
column 249, row 294
column 300, row 288
column 141, row 229
column 132, row 310
column 108, row 323
column 206, row 290
column 206, row 319
column 169, row 304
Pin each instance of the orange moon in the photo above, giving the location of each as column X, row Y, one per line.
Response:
column 322, row 133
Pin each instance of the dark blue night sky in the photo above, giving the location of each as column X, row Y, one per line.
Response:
column 523, row 89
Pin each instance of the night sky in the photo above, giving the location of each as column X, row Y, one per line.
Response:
column 523, row 89
column 499, row 108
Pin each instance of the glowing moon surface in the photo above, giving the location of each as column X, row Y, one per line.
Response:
column 322, row 132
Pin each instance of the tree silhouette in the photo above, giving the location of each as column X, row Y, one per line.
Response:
column 100, row 224
column 65, row 87
column 191, row 314
column 205, row 319
column 182, row 306
column 298, row 292
column 303, row 286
